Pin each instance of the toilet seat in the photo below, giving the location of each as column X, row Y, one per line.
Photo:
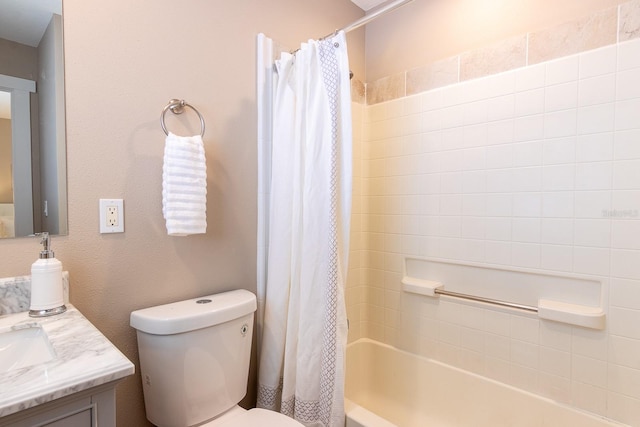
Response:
column 260, row 418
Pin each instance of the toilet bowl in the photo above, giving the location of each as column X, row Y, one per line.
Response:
column 238, row 417
column 194, row 362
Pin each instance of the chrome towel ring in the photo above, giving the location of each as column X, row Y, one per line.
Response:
column 177, row 107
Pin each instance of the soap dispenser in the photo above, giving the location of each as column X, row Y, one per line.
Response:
column 47, row 295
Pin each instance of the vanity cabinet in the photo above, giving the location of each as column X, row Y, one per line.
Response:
column 95, row 407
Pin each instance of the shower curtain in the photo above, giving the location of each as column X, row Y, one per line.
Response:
column 304, row 327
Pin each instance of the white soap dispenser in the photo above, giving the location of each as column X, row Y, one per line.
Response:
column 47, row 295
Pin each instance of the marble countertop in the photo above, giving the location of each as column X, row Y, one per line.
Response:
column 84, row 359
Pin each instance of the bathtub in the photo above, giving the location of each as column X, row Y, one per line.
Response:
column 387, row 387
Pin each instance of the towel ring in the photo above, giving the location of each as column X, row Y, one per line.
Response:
column 177, row 107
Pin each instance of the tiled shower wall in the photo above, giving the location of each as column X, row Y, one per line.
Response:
column 535, row 167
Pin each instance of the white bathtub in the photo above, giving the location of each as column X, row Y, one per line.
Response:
column 387, row 387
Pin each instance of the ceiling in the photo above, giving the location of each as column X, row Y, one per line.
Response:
column 24, row 21
column 368, row 4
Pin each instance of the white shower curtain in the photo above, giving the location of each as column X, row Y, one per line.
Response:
column 304, row 331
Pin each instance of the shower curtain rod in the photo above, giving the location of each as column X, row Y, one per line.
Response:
column 368, row 18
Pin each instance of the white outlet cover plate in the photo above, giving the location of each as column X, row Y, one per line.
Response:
column 104, row 204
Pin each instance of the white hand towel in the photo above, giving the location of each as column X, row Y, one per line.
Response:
column 184, row 185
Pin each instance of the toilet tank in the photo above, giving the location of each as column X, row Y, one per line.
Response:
column 194, row 356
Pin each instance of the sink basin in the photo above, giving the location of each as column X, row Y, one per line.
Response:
column 24, row 347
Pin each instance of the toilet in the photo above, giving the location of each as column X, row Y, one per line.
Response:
column 194, row 362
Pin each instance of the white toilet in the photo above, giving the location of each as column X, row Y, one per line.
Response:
column 194, row 362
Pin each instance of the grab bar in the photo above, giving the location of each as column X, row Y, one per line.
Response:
column 573, row 314
column 487, row 300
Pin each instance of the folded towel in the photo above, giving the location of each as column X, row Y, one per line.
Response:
column 184, row 185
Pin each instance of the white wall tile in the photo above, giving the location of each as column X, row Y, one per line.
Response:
column 475, row 158
column 594, row 176
column 624, row 380
column 588, row 397
column 524, row 377
column 524, row 353
column 502, row 83
column 527, row 153
column 450, row 204
column 497, row 252
column 562, row 70
column 589, row 343
column 558, row 177
column 623, row 322
column 554, row 387
column 499, row 205
column 500, row 107
column 528, row 78
column 525, row 255
column 625, row 263
column 597, row 90
column 557, row 231
column 451, row 183
column 473, row 228
column 500, row 156
column 629, row 55
column 559, row 258
column 596, row 118
column 554, row 335
column 627, row 201
column 527, row 204
column 626, row 114
column 499, row 181
column 558, row 204
column 560, row 123
column 626, row 174
column 474, row 204
column 497, row 228
column 627, row 86
column 625, row 293
column 624, row 351
column 529, row 128
column 625, row 234
column 589, row 371
column 555, row 362
column 594, row 147
column 598, row 61
column 561, row 97
column 592, row 204
column 526, row 179
column 591, row 260
column 529, row 102
column 559, row 150
column 500, row 132
column 626, row 144
column 526, row 230
column 592, row 232
column 497, row 322
column 474, row 182
column 474, row 136
column 623, row 408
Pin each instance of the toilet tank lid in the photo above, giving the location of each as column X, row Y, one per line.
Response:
column 192, row 314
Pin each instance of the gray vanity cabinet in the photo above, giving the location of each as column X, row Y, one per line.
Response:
column 95, row 407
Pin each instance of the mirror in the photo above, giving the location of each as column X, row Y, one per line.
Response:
column 33, row 177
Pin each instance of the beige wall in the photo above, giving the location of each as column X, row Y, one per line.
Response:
column 124, row 61
column 438, row 29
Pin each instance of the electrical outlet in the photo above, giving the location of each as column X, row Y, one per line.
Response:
column 111, row 216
